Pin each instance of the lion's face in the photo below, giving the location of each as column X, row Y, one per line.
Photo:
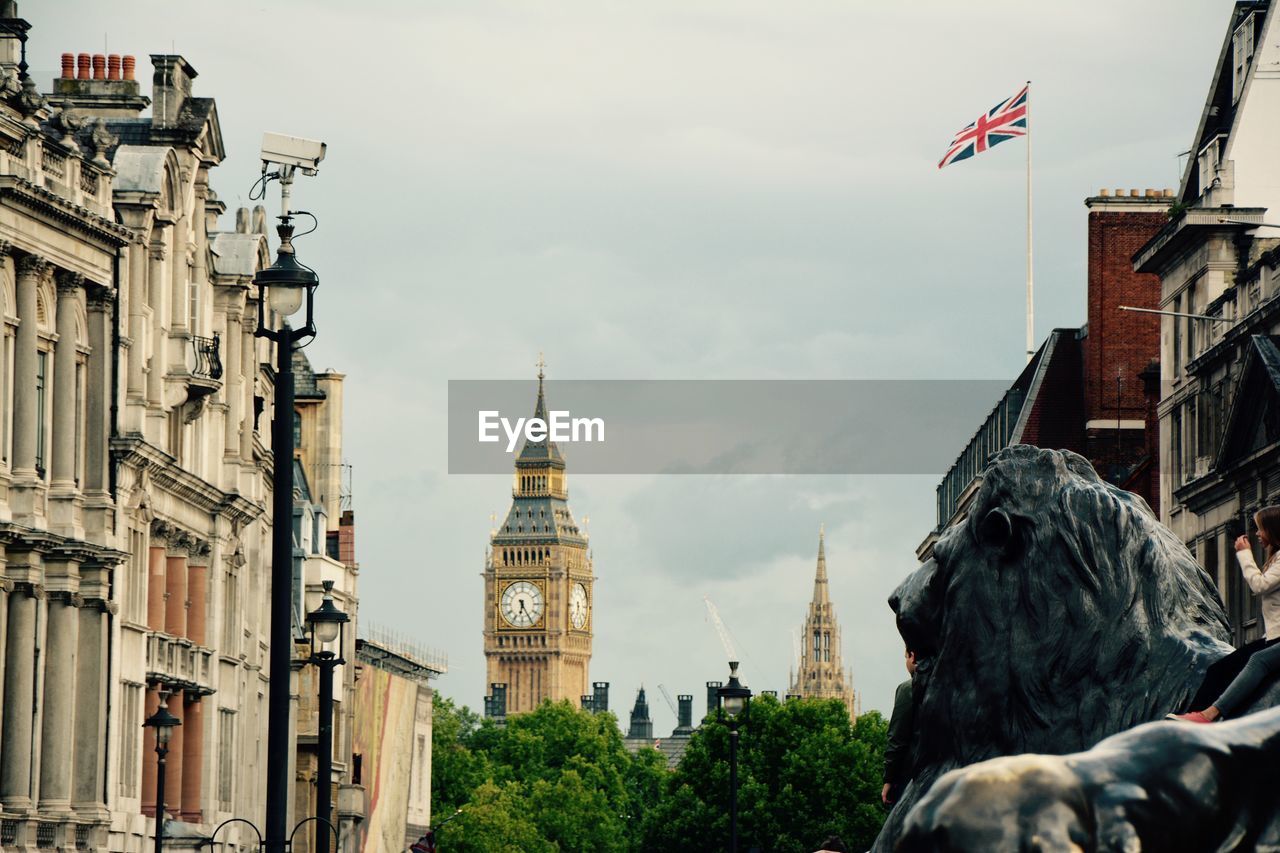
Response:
column 1058, row 612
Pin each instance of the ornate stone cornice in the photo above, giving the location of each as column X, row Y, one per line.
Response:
column 164, row 474
column 33, row 590
column 26, row 195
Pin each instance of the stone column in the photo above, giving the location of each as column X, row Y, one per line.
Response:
column 64, row 489
column 173, row 761
column 59, row 704
column 178, row 273
column 65, row 403
column 136, row 381
column 19, row 694
column 233, row 383
column 249, row 369
column 157, row 588
column 156, row 350
column 98, row 391
column 31, row 269
column 149, row 758
column 91, row 704
column 192, row 760
column 6, row 586
column 175, row 613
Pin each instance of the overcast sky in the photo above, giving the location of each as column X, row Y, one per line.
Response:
column 669, row 190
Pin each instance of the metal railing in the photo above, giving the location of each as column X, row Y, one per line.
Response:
column 208, row 357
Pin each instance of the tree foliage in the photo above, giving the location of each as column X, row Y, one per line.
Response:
column 560, row 779
column 804, row 773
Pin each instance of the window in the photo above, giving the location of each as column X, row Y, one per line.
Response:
column 226, row 756
column 826, row 646
column 1176, row 322
column 193, row 307
column 80, row 421
column 1241, row 55
column 1175, row 447
column 42, row 421
column 230, row 613
column 136, row 593
column 131, row 725
column 6, row 423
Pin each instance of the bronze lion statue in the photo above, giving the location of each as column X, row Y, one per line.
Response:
column 1168, row 787
column 1058, row 612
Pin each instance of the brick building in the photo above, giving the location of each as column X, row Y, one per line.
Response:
column 1093, row 389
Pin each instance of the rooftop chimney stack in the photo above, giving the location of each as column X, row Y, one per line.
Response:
column 170, row 87
column 100, row 85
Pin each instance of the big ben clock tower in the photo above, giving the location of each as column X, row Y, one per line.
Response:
column 537, row 585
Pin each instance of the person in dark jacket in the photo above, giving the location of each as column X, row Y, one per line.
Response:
column 898, row 751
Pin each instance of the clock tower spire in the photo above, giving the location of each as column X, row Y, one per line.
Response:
column 538, row 581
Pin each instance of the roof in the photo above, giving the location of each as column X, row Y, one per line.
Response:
column 236, row 254
column 1253, row 422
column 304, row 378
column 537, row 454
column 139, row 168
column 1219, row 113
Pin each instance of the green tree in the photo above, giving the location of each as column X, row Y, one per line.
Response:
column 804, row 772
column 557, row 778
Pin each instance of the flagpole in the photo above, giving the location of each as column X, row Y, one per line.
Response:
column 1030, row 281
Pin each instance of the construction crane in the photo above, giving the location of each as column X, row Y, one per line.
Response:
column 725, row 639
column 670, row 702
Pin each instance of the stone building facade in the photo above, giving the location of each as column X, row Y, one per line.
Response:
column 820, row 672
column 538, row 579
column 1219, row 271
column 135, row 465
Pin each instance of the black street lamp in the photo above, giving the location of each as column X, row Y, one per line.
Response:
column 326, row 623
column 282, row 287
column 164, row 723
column 735, row 700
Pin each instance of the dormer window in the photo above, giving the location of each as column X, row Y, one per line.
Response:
column 1241, row 54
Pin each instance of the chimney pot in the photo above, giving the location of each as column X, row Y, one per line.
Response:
column 1133, row 194
column 113, row 66
column 99, row 67
column 1149, row 193
column 129, row 63
column 1104, row 192
column 82, row 66
column 1119, row 192
column 68, row 66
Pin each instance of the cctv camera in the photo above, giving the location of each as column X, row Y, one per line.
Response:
column 295, row 151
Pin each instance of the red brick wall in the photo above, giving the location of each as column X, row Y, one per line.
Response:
column 1123, row 341
column 1119, row 343
column 1056, row 419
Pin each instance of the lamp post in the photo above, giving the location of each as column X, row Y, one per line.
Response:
column 283, row 287
column 326, row 623
column 164, row 723
column 735, row 699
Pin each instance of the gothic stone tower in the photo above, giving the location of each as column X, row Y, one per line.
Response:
column 537, row 586
column 821, row 674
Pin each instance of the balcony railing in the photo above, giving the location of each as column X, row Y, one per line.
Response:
column 208, row 363
column 178, row 661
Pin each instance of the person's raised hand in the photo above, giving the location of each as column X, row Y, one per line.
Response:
column 1242, row 543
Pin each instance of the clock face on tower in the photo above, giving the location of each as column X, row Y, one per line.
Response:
column 578, row 606
column 521, row 604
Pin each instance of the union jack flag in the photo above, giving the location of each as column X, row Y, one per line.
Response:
column 1006, row 120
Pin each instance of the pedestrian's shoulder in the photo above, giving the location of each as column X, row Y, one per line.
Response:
column 903, row 693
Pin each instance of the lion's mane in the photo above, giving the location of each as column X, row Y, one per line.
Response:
column 1058, row 612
